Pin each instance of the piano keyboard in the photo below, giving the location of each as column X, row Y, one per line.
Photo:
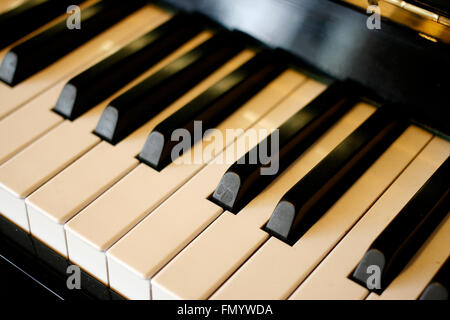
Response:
column 87, row 167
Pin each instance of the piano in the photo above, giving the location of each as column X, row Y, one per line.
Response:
column 222, row 150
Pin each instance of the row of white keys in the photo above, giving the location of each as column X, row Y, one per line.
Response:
column 47, row 156
column 412, row 281
column 14, row 97
column 177, row 221
column 52, row 205
column 210, row 259
column 138, row 193
column 277, row 269
column 35, row 118
column 330, row 280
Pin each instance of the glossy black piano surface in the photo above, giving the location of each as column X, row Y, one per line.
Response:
column 30, row 270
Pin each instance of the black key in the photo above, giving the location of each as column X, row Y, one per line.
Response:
column 142, row 102
column 404, row 236
column 308, row 200
column 35, row 54
column 211, row 107
column 439, row 286
column 248, row 176
column 105, row 78
column 29, row 16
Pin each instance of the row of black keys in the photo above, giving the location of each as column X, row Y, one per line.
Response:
column 142, row 102
column 309, row 198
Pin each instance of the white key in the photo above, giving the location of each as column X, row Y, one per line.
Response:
column 14, row 97
column 411, row 282
column 36, row 164
column 217, row 252
column 52, row 205
column 277, row 269
column 176, row 222
column 84, row 242
column 330, row 279
column 35, row 118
